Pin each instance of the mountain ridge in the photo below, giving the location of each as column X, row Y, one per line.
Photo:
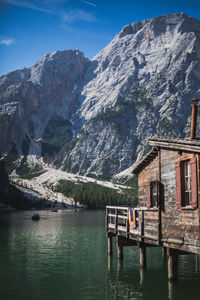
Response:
column 94, row 117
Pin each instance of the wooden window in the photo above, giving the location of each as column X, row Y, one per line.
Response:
column 153, row 191
column 186, row 183
column 187, row 190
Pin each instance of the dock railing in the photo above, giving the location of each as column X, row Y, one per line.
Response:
column 117, row 221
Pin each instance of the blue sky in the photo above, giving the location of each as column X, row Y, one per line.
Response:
column 31, row 28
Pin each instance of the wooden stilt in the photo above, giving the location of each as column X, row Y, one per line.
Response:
column 120, row 266
column 142, row 257
column 164, row 253
column 120, row 252
column 172, row 264
column 110, row 246
column 109, row 263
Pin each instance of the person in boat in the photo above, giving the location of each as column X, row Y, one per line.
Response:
column 35, row 217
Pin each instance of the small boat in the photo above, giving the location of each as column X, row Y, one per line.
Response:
column 35, row 217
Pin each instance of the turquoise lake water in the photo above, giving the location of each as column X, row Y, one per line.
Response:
column 64, row 256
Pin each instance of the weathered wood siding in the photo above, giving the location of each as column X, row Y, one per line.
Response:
column 177, row 223
column 179, row 226
column 150, row 173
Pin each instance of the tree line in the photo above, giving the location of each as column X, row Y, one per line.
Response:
column 94, row 195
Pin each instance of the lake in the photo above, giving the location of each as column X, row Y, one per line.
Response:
column 64, row 256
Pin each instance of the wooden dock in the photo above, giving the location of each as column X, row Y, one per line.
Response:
column 148, row 233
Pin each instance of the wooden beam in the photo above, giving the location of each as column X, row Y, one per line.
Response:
column 117, row 207
column 177, row 141
column 175, row 146
column 164, row 253
column 124, row 242
column 120, row 252
column 186, row 248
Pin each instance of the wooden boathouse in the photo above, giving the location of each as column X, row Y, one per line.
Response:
column 168, row 213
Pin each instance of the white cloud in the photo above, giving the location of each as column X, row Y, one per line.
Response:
column 28, row 4
column 7, row 42
column 89, row 3
column 78, row 15
column 52, row 7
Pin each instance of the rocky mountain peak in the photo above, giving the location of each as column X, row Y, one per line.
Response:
column 94, row 117
column 161, row 24
column 31, row 97
column 139, row 52
column 55, row 64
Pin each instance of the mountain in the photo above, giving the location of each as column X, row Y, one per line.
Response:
column 35, row 100
column 94, row 117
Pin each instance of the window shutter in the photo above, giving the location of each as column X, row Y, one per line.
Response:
column 148, row 188
column 193, row 165
column 178, row 183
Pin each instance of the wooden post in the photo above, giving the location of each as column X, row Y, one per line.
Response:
column 172, row 264
column 110, row 246
column 107, row 219
column 142, row 256
column 109, row 263
column 127, row 226
column 119, row 267
column 116, row 220
column 120, row 252
column 141, row 225
column 164, row 253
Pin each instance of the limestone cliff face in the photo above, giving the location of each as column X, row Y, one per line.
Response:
column 31, row 100
column 138, row 86
column 94, row 117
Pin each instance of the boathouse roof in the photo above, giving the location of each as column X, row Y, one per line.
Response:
column 189, row 145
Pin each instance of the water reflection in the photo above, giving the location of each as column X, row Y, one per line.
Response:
column 64, row 256
column 59, row 257
column 126, row 280
column 141, row 276
column 120, row 285
column 170, row 289
column 197, row 263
